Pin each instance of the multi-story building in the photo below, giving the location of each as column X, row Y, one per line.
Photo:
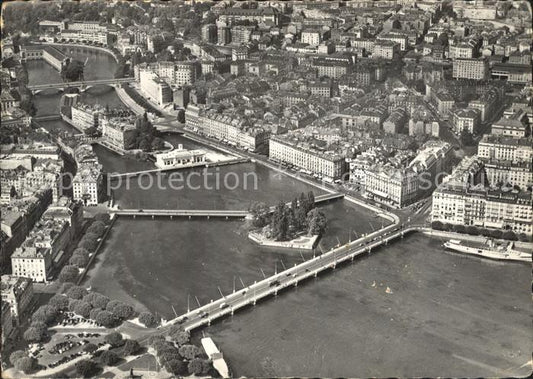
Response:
column 223, row 35
column 84, row 36
column 395, row 122
column 44, row 245
column 85, row 116
column 505, row 148
column 402, row 186
column 184, row 73
column 461, row 200
column 67, row 210
column 267, row 15
column 87, row 185
column 476, row 69
column 385, row 49
column 311, row 36
column 17, row 292
column 461, row 50
column 331, row 69
column 487, row 103
column 209, row 33
column 118, row 131
column 509, row 127
column 506, row 172
column 465, row 119
column 154, row 87
column 301, row 154
column 399, row 39
column 241, row 34
column 231, row 129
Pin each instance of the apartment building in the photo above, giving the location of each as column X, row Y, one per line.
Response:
column 506, row 172
column 154, row 87
column 17, row 292
column 301, row 154
column 118, row 131
column 465, row 119
column 505, row 148
column 399, row 39
column 87, row 185
column 44, row 245
column 509, row 127
column 476, row 69
column 85, row 116
column 311, row 36
column 230, row 129
column 330, row 68
column 209, row 33
column 385, row 49
column 401, row 186
column 462, row 201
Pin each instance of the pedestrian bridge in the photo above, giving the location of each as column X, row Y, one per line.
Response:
column 288, row 278
column 190, row 213
column 82, row 85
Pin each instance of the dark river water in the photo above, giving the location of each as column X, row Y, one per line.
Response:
column 446, row 315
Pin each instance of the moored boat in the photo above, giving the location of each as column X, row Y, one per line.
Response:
column 490, row 250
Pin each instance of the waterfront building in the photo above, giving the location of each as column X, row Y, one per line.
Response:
column 476, row 69
column 17, row 293
column 180, row 157
column 84, row 36
column 118, row 131
column 462, row 200
column 465, row 119
column 401, row 186
column 87, row 185
column 50, row 54
column 85, row 116
column 289, row 149
column 231, row 129
column 154, row 87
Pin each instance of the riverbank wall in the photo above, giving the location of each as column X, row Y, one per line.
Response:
column 129, row 102
column 79, row 45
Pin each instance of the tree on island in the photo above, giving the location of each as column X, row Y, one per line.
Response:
column 316, row 222
column 72, row 71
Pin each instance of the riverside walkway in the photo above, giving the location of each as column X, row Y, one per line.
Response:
column 291, row 277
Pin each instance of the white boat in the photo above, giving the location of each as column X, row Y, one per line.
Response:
column 216, row 357
column 490, row 250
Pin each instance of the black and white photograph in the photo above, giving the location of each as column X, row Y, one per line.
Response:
column 266, row 189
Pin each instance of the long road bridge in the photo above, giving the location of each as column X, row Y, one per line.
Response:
column 206, row 213
column 83, row 85
column 288, row 278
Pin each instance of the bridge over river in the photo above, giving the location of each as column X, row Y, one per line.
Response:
column 207, row 213
column 83, row 85
column 288, row 278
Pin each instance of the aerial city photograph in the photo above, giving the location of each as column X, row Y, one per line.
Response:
column 266, row 189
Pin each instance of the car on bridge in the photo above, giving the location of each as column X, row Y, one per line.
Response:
column 274, row 283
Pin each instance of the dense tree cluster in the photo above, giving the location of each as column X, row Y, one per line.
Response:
column 285, row 222
column 148, row 319
column 145, row 136
column 72, row 71
column 86, row 368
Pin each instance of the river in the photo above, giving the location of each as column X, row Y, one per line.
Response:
column 447, row 315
